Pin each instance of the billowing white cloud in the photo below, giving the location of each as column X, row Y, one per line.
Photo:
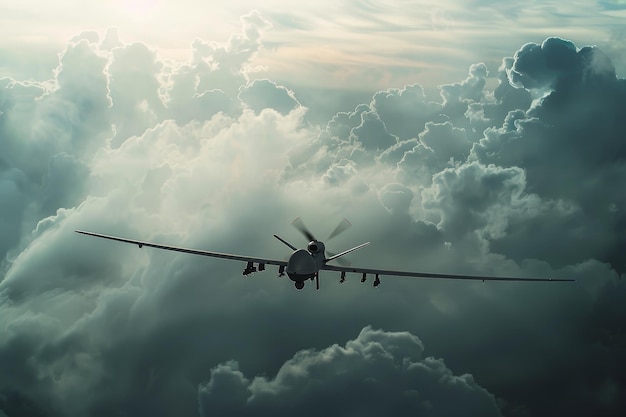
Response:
column 134, row 85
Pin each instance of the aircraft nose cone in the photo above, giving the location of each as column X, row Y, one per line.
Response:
column 301, row 263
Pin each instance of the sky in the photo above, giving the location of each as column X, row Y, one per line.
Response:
column 481, row 137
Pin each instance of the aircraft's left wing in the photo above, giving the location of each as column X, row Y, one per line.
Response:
column 185, row 250
column 379, row 272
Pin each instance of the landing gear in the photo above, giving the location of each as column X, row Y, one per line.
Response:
column 299, row 285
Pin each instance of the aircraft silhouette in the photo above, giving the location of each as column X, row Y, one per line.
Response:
column 305, row 264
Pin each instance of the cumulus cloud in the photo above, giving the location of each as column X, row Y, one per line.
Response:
column 557, row 63
column 473, row 197
column 372, row 133
column 376, row 373
column 134, row 85
column 265, row 94
column 195, row 154
column 552, row 143
column 404, row 111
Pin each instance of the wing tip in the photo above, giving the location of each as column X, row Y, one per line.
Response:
column 85, row 232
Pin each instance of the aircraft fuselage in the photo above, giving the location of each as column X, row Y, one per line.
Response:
column 304, row 264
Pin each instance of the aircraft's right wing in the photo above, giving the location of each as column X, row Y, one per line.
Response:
column 388, row 272
column 185, row 250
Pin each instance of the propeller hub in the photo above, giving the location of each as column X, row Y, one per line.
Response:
column 315, row 247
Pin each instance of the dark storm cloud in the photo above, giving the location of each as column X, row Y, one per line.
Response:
column 378, row 373
column 541, row 66
column 571, row 147
column 557, row 64
column 123, row 143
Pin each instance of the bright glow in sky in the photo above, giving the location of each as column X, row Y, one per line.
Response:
column 349, row 44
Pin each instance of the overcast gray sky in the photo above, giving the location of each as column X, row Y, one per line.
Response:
column 476, row 137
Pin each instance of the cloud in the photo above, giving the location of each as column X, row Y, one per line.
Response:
column 13, row 190
column 404, row 111
column 552, row 144
column 541, row 66
column 473, row 197
column 122, row 141
column 470, row 89
column 64, row 183
column 80, row 103
column 265, row 94
column 134, row 85
column 378, row 372
column 396, row 198
column 372, row 133
column 225, row 66
column 446, row 141
column 557, row 61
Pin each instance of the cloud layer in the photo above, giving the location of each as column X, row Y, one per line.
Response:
column 353, row 378
column 523, row 180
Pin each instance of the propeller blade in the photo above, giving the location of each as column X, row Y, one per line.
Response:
column 299, row 224
column 341, row 227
